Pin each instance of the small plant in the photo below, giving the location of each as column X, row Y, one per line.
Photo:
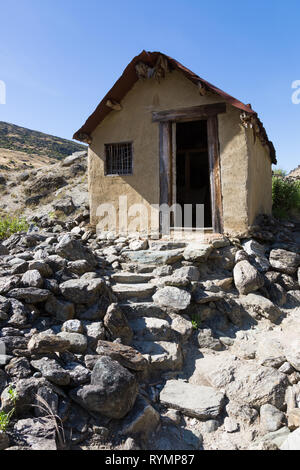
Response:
column 5, row 417
column 44, row 406
column 196, row 321
column 10, row 225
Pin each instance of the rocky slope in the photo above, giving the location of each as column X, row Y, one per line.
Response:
column 34, row 143
column 146, row 344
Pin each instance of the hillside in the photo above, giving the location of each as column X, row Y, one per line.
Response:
column 295, row 173
column 27, row 141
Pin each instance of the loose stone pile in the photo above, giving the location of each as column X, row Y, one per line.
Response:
column 158, row 345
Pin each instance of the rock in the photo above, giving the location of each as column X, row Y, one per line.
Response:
column 284, row 261
column 30, row 295
column 197, row 253
column 7, row 283
column 112, row 392
column 130, row 444
column 125, row 355
column 256, row 385
column 246, row 277
column 4, row 441
column 172, row 298
column 207, row 341
column 18, row 367
column 162, row 355
column 72, row 326
column 241, row 413
column 286, row 368
column 95, row 331
column 256, row 252
column 230, row 425
column 294, row 418
column 61, row 309
column 38, row 433
column 271, row 419
column 65, row 205
column 82, row 291
column 3, row 250
column 75, row 157
column 78, row 373
column 210, row 426
column 136, row 291
column 142, row 420
column 45, row 344
column 201, row 296
column 79, row 267
column 245, row 382
column 52, row 371
column 154, row 257
column 77, row 341
column 292, row 442
column 259, row 306
column 74, row 250
column 32, row 278
column 292, row 353
column 41, row 266
column 117, row 325
column 137, row 245
column 272, row 440
column 174, row 438
column 192, row 400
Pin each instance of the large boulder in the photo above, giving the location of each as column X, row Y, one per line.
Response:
column 172, row 298
column 73, row 250
column 197, row 252
column 37, row 433
column 32, row 278
column 82, row 291
column 30, row 295
column 117, row 325
column 45, row 344
column 125, row 355
column 246, row 277
column 258, row 306
column 192, row 400
column 51, row 370
column 284, row 261
column 112, row 392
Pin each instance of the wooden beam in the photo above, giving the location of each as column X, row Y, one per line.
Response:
column 215, row 174
column 113, row 105
column 165, row 163
column 189, row 114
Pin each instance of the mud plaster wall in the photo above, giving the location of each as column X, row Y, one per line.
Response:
column 259, row 178
column 134, row 123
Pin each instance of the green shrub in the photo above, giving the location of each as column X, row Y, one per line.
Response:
column 5, row 417
column 10, row 225
column 286, row 196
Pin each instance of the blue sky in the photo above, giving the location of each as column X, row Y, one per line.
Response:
column 59, row 57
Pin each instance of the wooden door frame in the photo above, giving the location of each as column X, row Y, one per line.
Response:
column 167, row 127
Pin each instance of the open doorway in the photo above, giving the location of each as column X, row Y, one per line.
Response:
column 192, row 169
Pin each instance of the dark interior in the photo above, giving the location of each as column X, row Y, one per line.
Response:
column 192, row 168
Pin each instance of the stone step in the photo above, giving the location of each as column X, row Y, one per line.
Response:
column 154, row 256
column 131, row 278
column 133, row 291
column 162, row 355
column 152, row 329
column 133, row 310
column 156, row 245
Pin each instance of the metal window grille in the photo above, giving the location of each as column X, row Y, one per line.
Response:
column 118, row 159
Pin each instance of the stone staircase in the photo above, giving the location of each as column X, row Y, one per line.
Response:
column 158, row 334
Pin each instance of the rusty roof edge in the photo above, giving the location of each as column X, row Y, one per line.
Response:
column 128, row 79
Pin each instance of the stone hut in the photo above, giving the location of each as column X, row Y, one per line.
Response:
column 163, row 135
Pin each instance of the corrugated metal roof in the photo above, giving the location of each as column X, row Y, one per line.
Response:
column 128, row 79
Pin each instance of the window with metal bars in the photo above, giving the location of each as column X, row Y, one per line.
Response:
column 118, row 159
